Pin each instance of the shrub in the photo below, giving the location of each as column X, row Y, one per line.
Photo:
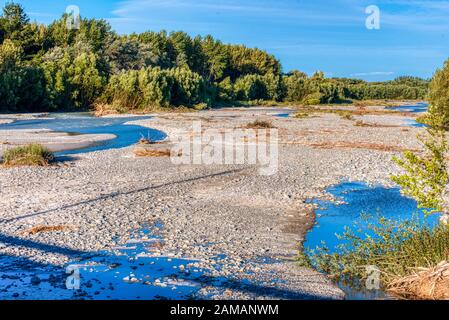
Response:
column 312, row 99
column 439, row 97
column 226, row 90
column 73, row 81
column 297, row 86
column 189, row 88
column 153, row 87
column 396, row 248
column 426, row 177
column 29, row 155
column 251, row 87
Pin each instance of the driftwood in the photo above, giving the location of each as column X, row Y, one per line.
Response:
column 425, row 284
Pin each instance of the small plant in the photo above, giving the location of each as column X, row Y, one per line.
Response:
column 259, row 124
column 29, row 155
column 426, row 175
column 201, row 106
column 145, row 140
column 302, row 115
column 344, row 114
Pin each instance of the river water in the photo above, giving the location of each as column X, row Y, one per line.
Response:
column 85, row 123
column 354, row 201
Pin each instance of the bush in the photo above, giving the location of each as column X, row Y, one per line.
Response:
column 297, row 87
column 250, row 87
column 29, row 155
column 439, row 98
column 189, row 88
column 73, row 80
column 396, row 248
column 154, row 87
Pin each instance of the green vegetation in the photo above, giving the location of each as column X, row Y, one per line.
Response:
column 439, row 99
column 29, row 155
column 397, row 249
column 48, row 68
column 426, row 175
column 320, row 90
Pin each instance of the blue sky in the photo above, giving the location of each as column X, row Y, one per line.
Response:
column 308, row 35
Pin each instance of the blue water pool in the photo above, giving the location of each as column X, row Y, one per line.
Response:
column 283, row 115
column 356, row 202
column 84, row 123
column 417, row 108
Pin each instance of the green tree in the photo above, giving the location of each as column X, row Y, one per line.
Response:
column 73, row 79
column 22, row 87
column 426, row 176
column 439, row 98
column 297, row 87
column 216, row 59
column 251, row 87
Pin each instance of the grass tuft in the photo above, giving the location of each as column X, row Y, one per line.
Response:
column 29, row 155
column 259, row 124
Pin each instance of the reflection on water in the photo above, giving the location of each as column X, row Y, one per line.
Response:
column 84, row 123
column 353, row 201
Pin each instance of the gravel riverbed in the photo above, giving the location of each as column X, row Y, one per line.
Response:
column 220, row 215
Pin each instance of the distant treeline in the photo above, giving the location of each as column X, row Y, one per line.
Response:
column 49, row 68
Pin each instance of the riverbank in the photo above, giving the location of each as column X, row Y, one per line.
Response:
column 253, row 224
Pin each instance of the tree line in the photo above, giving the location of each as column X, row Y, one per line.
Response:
column 53, row 68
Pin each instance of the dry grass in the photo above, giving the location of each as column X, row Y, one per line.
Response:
column 427, row 284
column 345, row 113
column 144, row 152
column 41, row 229
column 259, row 124
column 385, row 103
column 360, row 123
column 358, row 145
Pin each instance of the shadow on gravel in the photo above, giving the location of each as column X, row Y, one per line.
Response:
column 63, row 159
column 14, row 241
column 22, row 278
column 258, row 290
column 116, row 194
